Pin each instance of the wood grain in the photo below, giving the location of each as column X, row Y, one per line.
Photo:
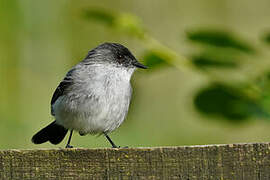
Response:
column 223, row 162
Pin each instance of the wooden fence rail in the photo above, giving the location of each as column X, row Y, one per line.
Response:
column 223, row 162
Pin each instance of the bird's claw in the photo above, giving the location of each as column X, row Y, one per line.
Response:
column 120, row 147
column 69, row 146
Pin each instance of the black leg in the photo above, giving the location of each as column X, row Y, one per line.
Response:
column 69, row 139
column 112, row 143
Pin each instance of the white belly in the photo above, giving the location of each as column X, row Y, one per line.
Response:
column 93, row 107
column 89, row 118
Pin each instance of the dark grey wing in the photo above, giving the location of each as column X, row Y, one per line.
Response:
column 61, row 88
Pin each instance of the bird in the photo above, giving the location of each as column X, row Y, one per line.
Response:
column 94, row 96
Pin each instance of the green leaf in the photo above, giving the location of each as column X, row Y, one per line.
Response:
column 263, row 85
column 227, row 102
column 219, row 39
column 153, row 59
column 130, row 24
column 263, row 82
column 212, row 58
column 266, row 38
column 100, row 15
column 123, row 22
column 203, row 61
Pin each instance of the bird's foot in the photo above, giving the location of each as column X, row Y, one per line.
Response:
column 69, row 146
column 125, row 147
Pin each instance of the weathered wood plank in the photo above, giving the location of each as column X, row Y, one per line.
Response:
column 236, row 161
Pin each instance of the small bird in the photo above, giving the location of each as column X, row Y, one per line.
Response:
column 94, row 96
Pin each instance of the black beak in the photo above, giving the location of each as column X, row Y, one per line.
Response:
column 139, row 65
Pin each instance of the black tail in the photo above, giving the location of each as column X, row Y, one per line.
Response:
column 53, row 132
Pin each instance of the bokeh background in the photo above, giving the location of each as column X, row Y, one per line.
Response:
column 208, row 81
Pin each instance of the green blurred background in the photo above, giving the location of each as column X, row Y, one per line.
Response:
column 217, row 94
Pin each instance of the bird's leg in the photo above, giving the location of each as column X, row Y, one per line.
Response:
column 112, row 143
column 69, row 139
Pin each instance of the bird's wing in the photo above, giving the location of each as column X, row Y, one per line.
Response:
column 60, row 90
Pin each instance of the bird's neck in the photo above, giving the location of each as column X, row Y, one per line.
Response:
column 118, row 74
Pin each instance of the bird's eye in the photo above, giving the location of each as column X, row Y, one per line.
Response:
column 120, row 58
